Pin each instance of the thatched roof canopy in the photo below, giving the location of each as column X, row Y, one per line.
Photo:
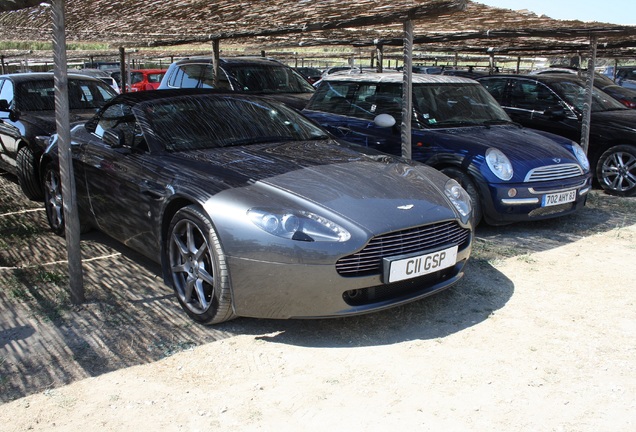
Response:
column 439, row 25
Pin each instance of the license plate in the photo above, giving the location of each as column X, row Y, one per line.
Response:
column 558, row 198
column 397, row 269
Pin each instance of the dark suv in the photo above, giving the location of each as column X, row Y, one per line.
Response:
column 254, row 75
column 27, row 110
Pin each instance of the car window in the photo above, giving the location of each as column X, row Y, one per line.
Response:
column 136, row 77
column 85, row 94
column 155, row 77
column 6, row 91
column 193, row 123
column 371, row 100
column 496, row 87
column 574, row 94
column 532, row 95
column 120, row 117
column 332, row 97
column 196, row 75
column 268, row 78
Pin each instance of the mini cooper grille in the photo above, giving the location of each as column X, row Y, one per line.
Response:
column 554, row 172
column 369, row 260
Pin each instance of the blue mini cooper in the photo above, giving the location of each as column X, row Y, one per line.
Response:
column 511, row 173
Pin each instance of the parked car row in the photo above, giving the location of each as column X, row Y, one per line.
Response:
column 254, row 208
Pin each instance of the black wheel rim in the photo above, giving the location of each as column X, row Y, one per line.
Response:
column 619, row 171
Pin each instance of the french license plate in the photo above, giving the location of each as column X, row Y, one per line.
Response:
column 558, row 198
column 414, row 266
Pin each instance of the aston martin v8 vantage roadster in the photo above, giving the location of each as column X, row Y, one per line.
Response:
column 253, row 210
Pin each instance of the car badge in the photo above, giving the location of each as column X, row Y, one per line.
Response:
column 557, row 160
column 406, row 207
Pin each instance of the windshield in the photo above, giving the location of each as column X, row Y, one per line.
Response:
column 255, row 78
column 461, row 104
column 574, row 94
column 200, row 122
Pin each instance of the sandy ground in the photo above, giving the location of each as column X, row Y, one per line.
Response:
column 540, row 335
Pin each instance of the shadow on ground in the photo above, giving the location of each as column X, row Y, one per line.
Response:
column 130, row 317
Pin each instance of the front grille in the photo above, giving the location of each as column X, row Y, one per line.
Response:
column 554, row 172
column 427, row 284
column 368, row 261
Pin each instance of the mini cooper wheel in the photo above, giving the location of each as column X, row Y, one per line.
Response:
column 198, row 269
column 616, row 170
column 53, row 202
column 469, row 185
column 27, row 174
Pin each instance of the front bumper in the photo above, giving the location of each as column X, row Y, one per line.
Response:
column 508, row 203
column 272, row 290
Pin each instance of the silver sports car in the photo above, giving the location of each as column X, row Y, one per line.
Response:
column 253, row 210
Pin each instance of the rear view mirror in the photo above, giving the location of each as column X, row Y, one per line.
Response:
column 384, row 120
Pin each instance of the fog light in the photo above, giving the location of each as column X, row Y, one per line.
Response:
column 512, row 193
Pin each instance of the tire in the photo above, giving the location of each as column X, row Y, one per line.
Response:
column 53, row 202
column 199, row 272
column 469, row 185
column 616, row 170
column 27, row 172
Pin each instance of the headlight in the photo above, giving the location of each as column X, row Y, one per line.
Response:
column 458, row 196
column 297, row 225
column 499, row 163
column 580, row 155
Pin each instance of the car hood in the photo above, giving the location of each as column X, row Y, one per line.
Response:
column 520, row 145
column 375, row 191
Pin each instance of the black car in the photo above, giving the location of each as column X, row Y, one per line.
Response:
column 254, row 210
column 554, row 103
column 253, row 75
column 311, row 74
column 27, row 110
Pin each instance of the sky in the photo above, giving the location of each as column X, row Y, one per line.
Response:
column 614, row 11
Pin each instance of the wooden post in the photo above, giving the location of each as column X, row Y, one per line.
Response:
column 62, row 123
column 518, row 64
column 407, row 87
column 589, row 88
column 379, row 49
column 122, row 69
column 215, row 61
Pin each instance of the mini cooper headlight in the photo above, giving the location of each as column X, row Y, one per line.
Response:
column 297, row 225
column 458, row 196
column 580, row 156
column 499, row 163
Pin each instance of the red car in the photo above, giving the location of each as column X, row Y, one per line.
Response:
column 146, row 79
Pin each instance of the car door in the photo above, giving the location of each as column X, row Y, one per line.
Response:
column 534, row 105
column 352, row 108
column 117, row 179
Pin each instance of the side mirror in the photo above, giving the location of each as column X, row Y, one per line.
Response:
column 13, row 114
column 114, row 138
column 384, row 120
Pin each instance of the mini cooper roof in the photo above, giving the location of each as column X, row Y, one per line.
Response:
column 397, row 77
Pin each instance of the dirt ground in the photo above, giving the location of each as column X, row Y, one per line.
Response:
column 540, row 335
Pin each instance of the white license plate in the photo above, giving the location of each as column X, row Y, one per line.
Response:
column 411, row 267
column 558, row 198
